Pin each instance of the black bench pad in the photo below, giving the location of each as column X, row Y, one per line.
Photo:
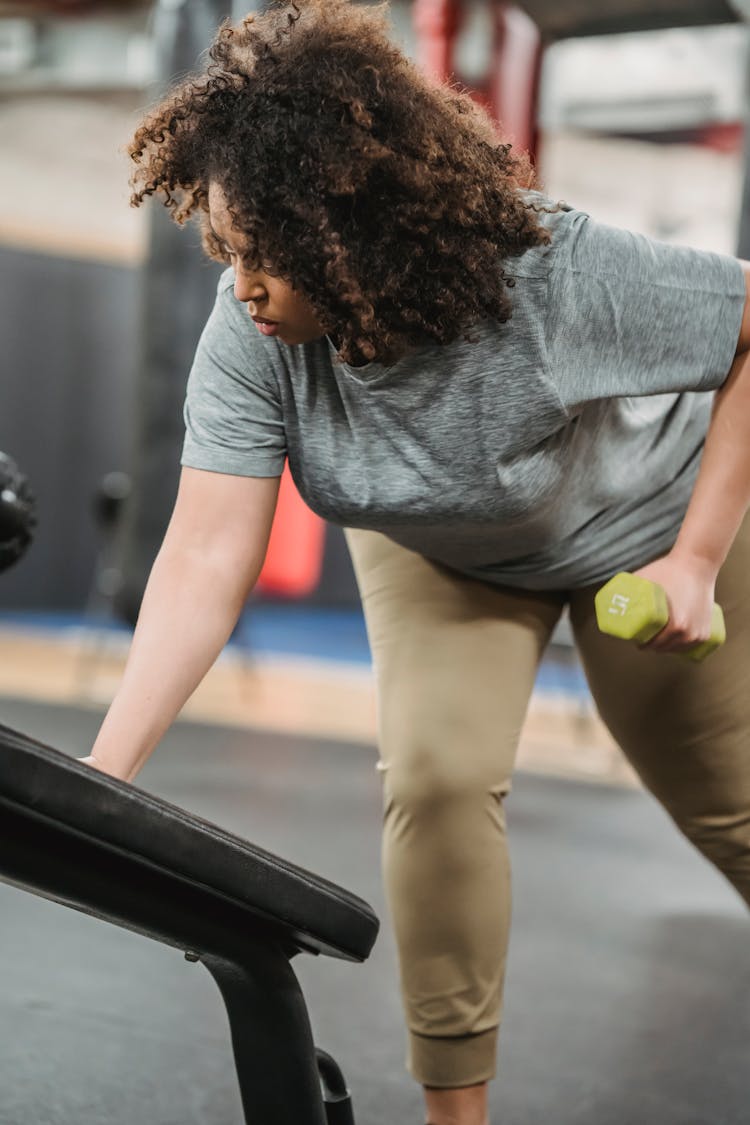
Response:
column 40, row 785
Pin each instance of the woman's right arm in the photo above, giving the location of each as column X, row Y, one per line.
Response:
column 209, row 562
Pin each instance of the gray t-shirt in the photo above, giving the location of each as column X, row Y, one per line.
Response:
column 552, row 451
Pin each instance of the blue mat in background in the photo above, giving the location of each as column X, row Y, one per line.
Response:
column 288, row 630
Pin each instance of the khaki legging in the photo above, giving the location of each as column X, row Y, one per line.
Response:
column 455, row 661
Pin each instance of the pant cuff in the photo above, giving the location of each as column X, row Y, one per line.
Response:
column 462, row 1060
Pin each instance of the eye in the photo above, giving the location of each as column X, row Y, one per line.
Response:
column 271, row 270
column 219, row 251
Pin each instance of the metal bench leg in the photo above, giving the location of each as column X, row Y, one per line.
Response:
column 336, row 1097
column 273, row 1046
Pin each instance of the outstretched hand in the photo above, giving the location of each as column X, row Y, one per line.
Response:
column 689, row 585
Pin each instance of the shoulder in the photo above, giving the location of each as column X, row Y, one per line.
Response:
column 583, row 246
column 226, row 281
column 231, row 354
column 230, row 310
column 233, row 333
column 580, row 242
column 560, row 220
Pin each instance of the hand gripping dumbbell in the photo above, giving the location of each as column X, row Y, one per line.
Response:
column 636, row 610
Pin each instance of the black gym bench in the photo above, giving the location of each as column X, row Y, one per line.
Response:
column 81, row 838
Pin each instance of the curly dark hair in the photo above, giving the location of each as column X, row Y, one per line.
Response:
column 387, row 200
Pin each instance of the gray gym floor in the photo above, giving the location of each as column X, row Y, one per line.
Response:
column 628, row 996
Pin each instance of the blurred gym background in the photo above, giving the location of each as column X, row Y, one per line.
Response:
column 633, row 110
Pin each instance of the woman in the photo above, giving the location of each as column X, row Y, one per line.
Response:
column 505, row 403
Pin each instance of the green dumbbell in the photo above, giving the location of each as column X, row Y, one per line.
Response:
column 635, row 609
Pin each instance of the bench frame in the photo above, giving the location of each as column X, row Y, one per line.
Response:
column 283, row 1080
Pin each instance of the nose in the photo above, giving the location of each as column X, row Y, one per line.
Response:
column 247, row 287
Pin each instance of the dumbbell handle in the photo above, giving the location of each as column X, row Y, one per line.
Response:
column 636, row 609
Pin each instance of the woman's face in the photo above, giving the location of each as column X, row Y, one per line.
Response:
column 274, row 305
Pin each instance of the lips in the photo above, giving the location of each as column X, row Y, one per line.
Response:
column 266, row 327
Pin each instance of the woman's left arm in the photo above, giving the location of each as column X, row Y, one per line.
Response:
column 720, row 498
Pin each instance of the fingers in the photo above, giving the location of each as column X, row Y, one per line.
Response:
column 677, row 638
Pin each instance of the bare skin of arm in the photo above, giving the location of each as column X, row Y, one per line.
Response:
column 209, row 562
column 719, row 502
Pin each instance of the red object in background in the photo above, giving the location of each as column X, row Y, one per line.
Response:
column 510, row 89
column 294, row 559
column 437, row 23
column 515, row 77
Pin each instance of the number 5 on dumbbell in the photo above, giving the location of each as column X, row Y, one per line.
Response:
column 635, row 609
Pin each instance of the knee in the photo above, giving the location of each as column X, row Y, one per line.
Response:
column 428, row 784
column 444, row 738
column 437, row 759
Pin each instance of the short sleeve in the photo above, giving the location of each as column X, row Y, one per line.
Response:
column 627, row 315
column 233, row 413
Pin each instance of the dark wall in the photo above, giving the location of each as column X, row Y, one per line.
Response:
column 70, row 344
column 67, row 331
